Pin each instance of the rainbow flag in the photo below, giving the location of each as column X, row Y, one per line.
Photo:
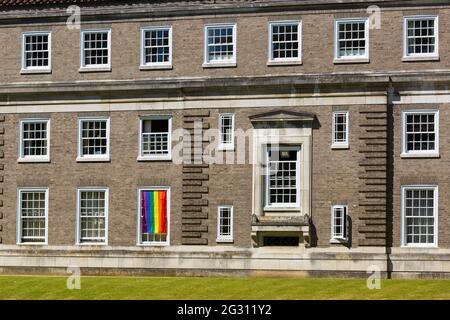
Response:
column 154, row 211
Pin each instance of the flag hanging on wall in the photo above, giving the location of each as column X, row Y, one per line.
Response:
column 154, row 211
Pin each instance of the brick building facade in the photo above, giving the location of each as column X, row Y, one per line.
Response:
column 353, row 119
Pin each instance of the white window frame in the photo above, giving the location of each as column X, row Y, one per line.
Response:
column 169, row 145
column 435, row 216
column 219, row 63
column 97, row 67
column 91, row 157
column 339, row 144
column 46, row 69
column 225, row 238
column 222, row 145
column 155, row 65
column 19, row 215
column 139, row 241
column 345, row 227
column 271, row 59
column 22, row 157
column 422, row 56
column 420, row 153
column 78, row 215
column 351, row 59
column 296, row 205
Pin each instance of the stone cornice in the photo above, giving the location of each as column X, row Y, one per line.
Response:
column 153, row 9
column 291, row 83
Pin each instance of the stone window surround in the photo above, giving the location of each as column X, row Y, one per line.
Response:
column 420, row 154
column 287, row 136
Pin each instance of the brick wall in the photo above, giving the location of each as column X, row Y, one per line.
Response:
column 252, row 46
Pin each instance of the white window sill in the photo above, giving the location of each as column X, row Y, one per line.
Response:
column 338, row 240
column 93, row 159
column 155, row 158
column 32, row 243
column 420, row 155
column 221, row 240
column 224, row 147
column 340, row 146
column 156, row 67
column 420, row 246
column 351, row 60
column 281, row 209
column 90, row 244
column 35, row 71
column 31, row 160
column 219, row 65
column 420, row 58
column 95, row 69
column 284, row 63
column 162, row 244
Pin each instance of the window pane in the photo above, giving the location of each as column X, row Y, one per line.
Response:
column 36, row 51
column 285, row 41
column 156, row 46
column 220, row 43
column 419, row 216
column 155, row 137
column 94, row 137
column 95, row 48
column 420, row 132
column 92, row 216
column 33, row 218
column 351, row 40
column 34, row 139
column 421, row 36
column 282, row 176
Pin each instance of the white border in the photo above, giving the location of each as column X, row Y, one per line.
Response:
column 218, row 63
column 221, row 238
column 221, row 145
column 77, row 224
column 402, row 221
column 296, row 205
column 138, row 225
column 333, row 238
column 420, row 56
column 96, row 67
column 21, row 157
column 46, row 69
column 80, row 156
column 169, row 142
column 345, row 144
column 270, row 59
column 351, row 59
column 155, row 65
column 420, row 153
column 19, row 215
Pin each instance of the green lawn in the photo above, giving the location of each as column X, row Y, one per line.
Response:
column 45, row 287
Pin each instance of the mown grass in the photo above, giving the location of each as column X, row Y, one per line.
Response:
column 190, row 288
